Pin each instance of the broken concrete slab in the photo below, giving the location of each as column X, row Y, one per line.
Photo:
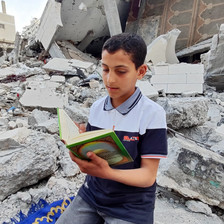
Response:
column 50, row 23
column 185, row 112
column 162, row 49
column 19, row 70
column 55, row 51
column 147, row 89
column 195, row 49
column 72, row 52
column 193, row 171
column 35, row 161
column 60, row 21
column 57, row 78
column 62, row 65
column 112, row 15
column 43, row 95
column 17, row 134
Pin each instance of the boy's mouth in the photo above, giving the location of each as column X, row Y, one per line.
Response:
column 110, row 88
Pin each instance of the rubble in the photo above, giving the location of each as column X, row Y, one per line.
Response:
column 61, row 65
column 185, row 112
column 162, row 49
column 32, row 136
column 35, row 164
column 43, row 95
column 193, row 171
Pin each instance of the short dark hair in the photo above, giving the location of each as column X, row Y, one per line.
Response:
column 131, row 43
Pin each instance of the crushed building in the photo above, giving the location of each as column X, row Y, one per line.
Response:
column 65, row 74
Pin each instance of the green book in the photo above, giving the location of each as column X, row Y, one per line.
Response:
column 103, row 143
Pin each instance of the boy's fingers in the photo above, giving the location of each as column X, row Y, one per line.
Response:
column 82, row 127
column 94, row 158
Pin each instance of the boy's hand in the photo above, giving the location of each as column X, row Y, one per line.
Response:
column 97, row 167
column 81, row 126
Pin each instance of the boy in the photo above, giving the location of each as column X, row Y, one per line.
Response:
column 125, row 193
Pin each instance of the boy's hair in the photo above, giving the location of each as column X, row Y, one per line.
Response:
column 131, row 43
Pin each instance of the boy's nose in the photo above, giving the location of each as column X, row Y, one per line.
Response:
column 111, row 77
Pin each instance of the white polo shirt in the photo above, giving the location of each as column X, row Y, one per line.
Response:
column 140, row 124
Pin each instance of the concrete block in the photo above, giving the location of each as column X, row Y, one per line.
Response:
column 195, row 78
column 196, row 68
column 160, row 69
column 181, row 68
column 57, row 78
column 180, row 78
column 62, row 65
column 186, row 68
column 179, row 88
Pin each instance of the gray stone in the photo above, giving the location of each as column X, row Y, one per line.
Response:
column 185, row 112
column 193, row 172
column 12, row 124
column 197, row 206
column 35, row 161
column 69, row 168
column 51, row 126
column 37, row 117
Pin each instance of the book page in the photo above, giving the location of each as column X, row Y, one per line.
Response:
column 88, row 135
column 68, row 129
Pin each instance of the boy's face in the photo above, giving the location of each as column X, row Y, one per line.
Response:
column 120, row 75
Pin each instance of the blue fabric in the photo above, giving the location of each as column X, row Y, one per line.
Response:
column 42, row 212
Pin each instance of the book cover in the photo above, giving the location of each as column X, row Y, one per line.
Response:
column 104, row 143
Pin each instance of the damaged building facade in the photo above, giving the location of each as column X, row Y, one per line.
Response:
column 197, row 20
column 7, row 31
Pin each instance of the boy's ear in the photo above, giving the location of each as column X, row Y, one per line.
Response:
column 142, row 71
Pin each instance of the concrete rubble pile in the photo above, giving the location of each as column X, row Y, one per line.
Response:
column 35, row 164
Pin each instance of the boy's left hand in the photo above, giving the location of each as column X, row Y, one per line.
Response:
column 97, row 167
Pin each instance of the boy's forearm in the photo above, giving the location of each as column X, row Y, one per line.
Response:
column 141, row 177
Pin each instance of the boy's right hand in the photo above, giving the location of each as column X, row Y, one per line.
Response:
column 97, row 166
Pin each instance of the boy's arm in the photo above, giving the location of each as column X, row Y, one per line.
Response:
column 144, row 176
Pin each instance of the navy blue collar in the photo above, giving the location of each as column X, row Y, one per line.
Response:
column 126, row 106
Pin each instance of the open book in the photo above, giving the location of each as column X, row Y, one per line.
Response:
column 104, row 143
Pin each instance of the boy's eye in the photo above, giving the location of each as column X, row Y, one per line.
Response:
column 105, row 70
column 121, row 72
